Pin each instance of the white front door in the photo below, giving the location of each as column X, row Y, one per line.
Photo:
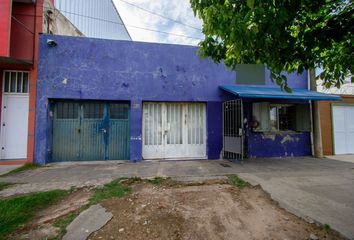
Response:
column 174, row 130
column 14, row 127
column 343, row 129
column 14, row 115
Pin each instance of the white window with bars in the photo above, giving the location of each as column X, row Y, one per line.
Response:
column 16, row 82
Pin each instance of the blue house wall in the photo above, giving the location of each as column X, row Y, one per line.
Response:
column 96, row 69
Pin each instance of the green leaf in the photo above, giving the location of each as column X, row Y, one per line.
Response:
column 287, row 89
column 284, row 35
column 328, row 85
column 250, row 4
column 279, row 81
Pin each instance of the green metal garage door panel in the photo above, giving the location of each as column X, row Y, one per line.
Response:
column 88, row 131
column 118, row 131
column 92, row 131
column 66, row 127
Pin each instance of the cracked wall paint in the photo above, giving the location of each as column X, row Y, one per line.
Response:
column 270, row 136
column 271, row 144
column 294, row 144
column 290, row 138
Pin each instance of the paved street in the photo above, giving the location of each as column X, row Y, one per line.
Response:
column 318, row 189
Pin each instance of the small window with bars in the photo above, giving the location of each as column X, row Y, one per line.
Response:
column 67, row 110
column 118, row 111
column 15, row 82
column 93, row 110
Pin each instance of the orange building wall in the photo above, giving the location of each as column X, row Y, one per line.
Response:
column 33, row 81
column 326, row 122
column 24, row 46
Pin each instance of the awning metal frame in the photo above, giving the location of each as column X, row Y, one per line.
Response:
column 267, row 92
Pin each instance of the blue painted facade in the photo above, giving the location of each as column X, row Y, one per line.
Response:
column 96, row 69
column 274, row 144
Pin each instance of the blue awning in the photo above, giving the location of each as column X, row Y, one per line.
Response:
column 277, row 93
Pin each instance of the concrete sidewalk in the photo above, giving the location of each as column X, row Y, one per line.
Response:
column 344, row 157
column 7, row 168
column 319, row 189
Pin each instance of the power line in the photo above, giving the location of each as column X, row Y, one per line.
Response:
column 160, row 15
column 22, row 24
column 132, row 26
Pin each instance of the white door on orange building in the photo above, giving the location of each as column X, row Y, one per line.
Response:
column 343, row 129
column 14, row 115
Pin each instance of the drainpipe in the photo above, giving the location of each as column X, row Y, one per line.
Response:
column 311, row 119
column 316, row 121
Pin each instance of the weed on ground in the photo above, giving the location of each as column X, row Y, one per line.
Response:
column 110, row 190
column 17, row 211
column 25, row 167
column 4, row 185
column 63, row 222
column 156, row 180
column 237, row 182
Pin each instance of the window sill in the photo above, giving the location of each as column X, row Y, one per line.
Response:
column 279, row 132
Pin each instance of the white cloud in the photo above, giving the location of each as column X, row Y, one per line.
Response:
column 179, row 10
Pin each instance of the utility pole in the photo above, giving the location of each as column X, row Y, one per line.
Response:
column 317, row 136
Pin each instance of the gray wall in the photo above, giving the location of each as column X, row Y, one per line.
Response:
column 88, row 16
column 56, row 23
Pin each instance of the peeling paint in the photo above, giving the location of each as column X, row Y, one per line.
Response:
column 287, row 138
column 269, row 136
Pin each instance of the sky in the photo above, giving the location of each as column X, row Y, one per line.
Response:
column 179, row 10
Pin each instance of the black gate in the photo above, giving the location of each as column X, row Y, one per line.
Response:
column 233, row 130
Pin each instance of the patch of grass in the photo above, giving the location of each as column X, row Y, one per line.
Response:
column 16, row 212
column 327, row 227
column 237, row 182
column 63, row 222
column 25, row 167
column 130, row 181
column 156, row 180
column 4, row 185
column 110, row 190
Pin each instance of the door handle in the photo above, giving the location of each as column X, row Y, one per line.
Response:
column 104, row 130
column 78, row 130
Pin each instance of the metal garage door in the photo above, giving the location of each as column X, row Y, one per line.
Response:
column 343, row 129
column 174, row 130
column 84, row 131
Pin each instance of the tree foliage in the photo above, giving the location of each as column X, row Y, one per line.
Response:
column 285, row 35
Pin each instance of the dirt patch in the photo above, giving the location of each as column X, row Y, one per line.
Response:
column 212, row 211
column 72, row 203
column 41, row 226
